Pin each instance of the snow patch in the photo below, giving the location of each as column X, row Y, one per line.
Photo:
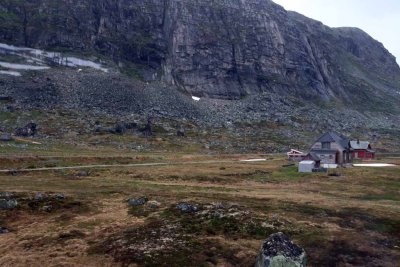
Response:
column 9, row 72
column 40, row 57
column 374, row 165
column 21, row 66
column 253, row 160
column 195, row 98
column 14, row 48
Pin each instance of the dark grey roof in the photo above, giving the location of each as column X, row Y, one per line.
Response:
column 334, row 137
column 324, row 151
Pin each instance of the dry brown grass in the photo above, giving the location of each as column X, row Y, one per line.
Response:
column 351, row 220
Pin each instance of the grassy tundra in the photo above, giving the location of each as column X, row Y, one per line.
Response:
column 347, row 220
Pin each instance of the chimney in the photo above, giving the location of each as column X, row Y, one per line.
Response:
column 358, row 141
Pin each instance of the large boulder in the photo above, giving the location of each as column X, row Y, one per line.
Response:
column 5, row 137
column 7, row 204
column 180, row 133
column 5, row 195
column 137, row 201
column 279, row 251
column 4, row 230
column 187, row 208
column 28, row 130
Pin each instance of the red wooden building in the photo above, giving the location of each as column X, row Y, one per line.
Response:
column 361, row 150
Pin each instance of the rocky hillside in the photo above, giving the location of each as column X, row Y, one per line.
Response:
column 248, row 60
column 220, row 49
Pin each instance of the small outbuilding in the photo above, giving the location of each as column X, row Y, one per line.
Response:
column 306, row 166
column 295, row 155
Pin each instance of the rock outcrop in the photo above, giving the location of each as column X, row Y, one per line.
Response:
column 8, row 204
column 279, row 251
column 27, row 131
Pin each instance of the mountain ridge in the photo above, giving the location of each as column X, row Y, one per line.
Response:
column 219, row 49
column 248, row 61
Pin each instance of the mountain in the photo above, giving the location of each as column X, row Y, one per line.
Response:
column 248, row 59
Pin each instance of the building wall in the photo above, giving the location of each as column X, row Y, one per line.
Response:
column 362, row 154
column 327, row 158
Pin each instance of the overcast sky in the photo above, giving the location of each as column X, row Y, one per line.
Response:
column 379, row 18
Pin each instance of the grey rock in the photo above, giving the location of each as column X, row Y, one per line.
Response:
column 39, row 196
column 153, row 204
column 83, row 174
column 180, row 133
column 4, row 230
column 59, row 196
column 27, row 131
column 137, row 201
column 279, row 251
column 6, row 137
column 47, row 208
column 187, row 208
column 5, row 98
column 8, row 204
column 5, row 194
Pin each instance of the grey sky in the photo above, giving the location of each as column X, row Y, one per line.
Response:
column 379, row 18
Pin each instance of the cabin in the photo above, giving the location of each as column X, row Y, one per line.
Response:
column 295, row 155
column 331, row 148
column 306, row 166
column 361, row 150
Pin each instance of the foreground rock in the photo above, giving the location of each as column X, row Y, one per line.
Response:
column 5, row 137
column 279, row 251
column 39, row 196
column 187, row 208
column 59, row 196
column 4, row 230
column 153, row 204
column 137, row 201
column 27, row 131
column 8, row 204
column 5, row 194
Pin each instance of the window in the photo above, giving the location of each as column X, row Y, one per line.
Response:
column 326, row 145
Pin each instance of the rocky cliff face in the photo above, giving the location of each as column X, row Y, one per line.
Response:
column 217, row 48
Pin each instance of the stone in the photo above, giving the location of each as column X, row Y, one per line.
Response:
column 39, row 196
column 5, row 194
column 28, row 130
column 137, row 201
column 59, row 196
column 5, row 98
column 8, row 204
column 6, row 137
column 83, row 174
column 180, row 133
column 153, row 204
column 279, row 251
column 188, row 208
column 4, row 230
column 47, row 208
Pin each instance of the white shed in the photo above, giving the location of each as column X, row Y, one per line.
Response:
column 306, row 166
